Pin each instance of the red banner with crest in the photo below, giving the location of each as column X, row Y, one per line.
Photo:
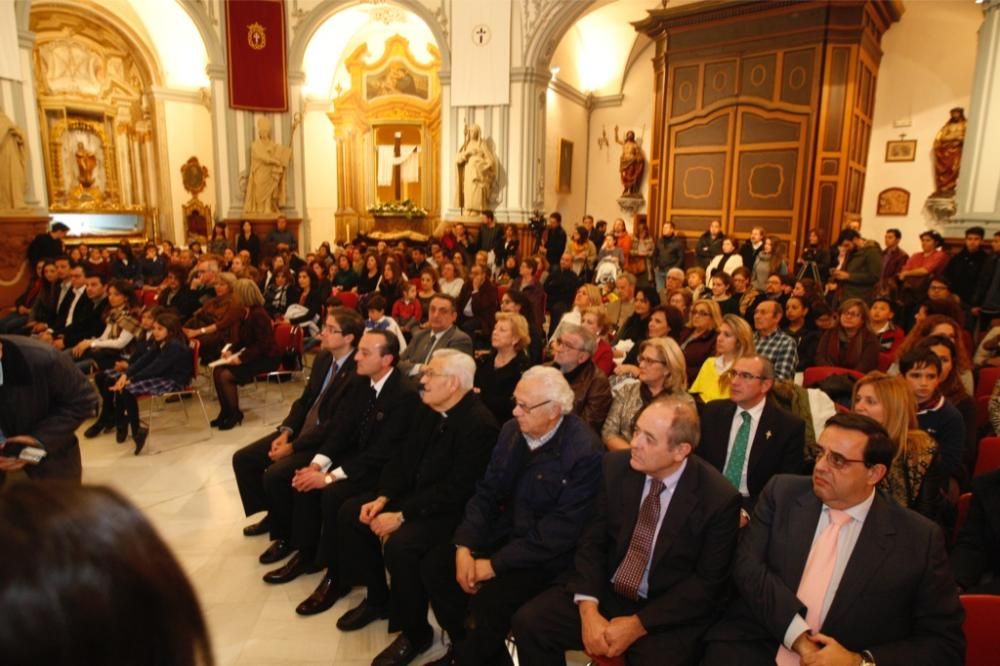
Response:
column 255, row 39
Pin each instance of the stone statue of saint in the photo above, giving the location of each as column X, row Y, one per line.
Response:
column 86, row 162
column 13, row 165
column 948, row 154
column 631, row 164
column 477, row 169
column 266, row 180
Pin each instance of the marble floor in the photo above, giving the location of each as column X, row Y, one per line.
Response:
column 184, row 483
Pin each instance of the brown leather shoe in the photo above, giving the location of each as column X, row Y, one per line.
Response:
column 294, row 567
column 361, row 616
column 262, row 526
column 277, row 551
column 323, row 597
column 401, row 651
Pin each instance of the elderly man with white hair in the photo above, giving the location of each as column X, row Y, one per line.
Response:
column 521, row 527
column 416, row 505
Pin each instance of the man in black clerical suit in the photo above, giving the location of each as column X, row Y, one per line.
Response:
column 416, row 505
column 373, row 421
column 748, row 437
column 831, row 569
column 264, row 469
column 651, row 567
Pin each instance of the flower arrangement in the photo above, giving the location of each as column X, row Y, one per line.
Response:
column 404, row 208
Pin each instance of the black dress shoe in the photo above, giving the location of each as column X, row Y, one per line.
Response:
column 97, row 429
column 278, row 550
column 121, row 433
column 294, row 567
column 140, row 437
column 323, row 597
column 361, row 616
column 263, row 526
column 401, row 651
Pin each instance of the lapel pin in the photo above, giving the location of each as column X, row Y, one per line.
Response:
column 767, row 435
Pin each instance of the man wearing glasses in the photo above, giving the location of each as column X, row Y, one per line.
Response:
column 573, row 353
column 264, row 468
column 748, row 437
column 441, row 333
column 832, row 572
column 522, row 526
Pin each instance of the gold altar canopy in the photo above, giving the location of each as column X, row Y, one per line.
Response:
column 388, row 127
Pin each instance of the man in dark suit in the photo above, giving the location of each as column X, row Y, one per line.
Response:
column 264, row 469
column 43, row 400
column 832, row 572
column 372, row 422
column 651, row 567
column 748, row 437
column 417, row 504
column 87, row 321
column 976, row 556
column 521, row 527
column 440, row 334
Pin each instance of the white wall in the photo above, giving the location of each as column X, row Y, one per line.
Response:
column 635, row 113
column 927, row 68
column 321, row 176
column 565, row 119
column 189, row 134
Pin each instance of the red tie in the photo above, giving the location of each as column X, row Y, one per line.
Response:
column 629, row 574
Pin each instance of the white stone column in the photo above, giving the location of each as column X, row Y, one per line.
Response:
column 978, row 192
column 526, row 157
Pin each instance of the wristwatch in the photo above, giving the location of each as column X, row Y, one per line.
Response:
column 328, row 478
column 867, row 659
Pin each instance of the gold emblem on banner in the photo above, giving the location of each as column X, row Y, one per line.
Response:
column 256, row 37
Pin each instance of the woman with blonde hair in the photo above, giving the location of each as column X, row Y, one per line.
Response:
column 889, row 401
column 734, row 340
column 662, row 371
column 595, row 319
column 499, row 371
column 586, row 296
column 698, row 339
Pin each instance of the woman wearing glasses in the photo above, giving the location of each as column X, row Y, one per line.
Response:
column 662, row 371
column 912, row 479
column 698, row 339
column 850, row 344
column 734, row 340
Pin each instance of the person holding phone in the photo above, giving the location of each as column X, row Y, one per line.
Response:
column 43, row 400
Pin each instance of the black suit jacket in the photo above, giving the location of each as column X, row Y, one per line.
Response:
column 45, row 396
column 435, row 473
column 778, row 446
column 362, row 449
column 692, row 553
column 897, row 597
column 87, row 322
column 297, row 414
column 977, row 550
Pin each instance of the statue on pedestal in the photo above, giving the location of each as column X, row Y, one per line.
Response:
column 630, row 165
column 13, row 165
column 948, row 154
column 86, row 162
column 266, row 179
column 477, row 169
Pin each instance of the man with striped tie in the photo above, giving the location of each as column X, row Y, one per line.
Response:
column 652, row 566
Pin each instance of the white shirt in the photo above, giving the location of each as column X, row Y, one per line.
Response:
column 77, row 295
column 754, row 413
column 535, row 443
column 323, row 461
column 669, row 486
column 847, row 539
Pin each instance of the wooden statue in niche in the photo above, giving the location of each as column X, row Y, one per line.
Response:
column 948, row 154
column 631, row 164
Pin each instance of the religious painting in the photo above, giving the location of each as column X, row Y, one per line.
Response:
column 397, row 79
column 81, row 163
column 901, row 151
column 565, row 182
column 893, row 201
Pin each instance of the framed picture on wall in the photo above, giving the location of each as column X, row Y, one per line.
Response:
column 565, row 183
column 893, row 201
column 901, row 151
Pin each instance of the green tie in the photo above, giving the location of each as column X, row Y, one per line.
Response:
column 734, row 466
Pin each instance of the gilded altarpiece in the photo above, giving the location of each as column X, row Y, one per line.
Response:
column 96, row 122
column 388, row 131
column 763, row 113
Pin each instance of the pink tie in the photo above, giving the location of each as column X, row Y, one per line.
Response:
column 816, row 579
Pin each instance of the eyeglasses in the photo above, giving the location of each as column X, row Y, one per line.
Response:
column 431, row 374
column 744, row 375
column 834, row 459
column 562, row 343
column 650, row 361
column 332, row 331
column 527, row 409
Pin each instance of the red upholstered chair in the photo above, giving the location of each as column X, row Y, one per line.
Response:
column 149, row 297
column 962, row 511
column 989, row 456
column 607, row 661
column 817, row 374
column 501, row 290
column 986, row 381
column 982, row 412
column 290, row 340
column 885, row 360
column 349, row 299
column 982, row 640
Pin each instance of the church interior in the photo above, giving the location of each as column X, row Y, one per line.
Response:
column 144, row 121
